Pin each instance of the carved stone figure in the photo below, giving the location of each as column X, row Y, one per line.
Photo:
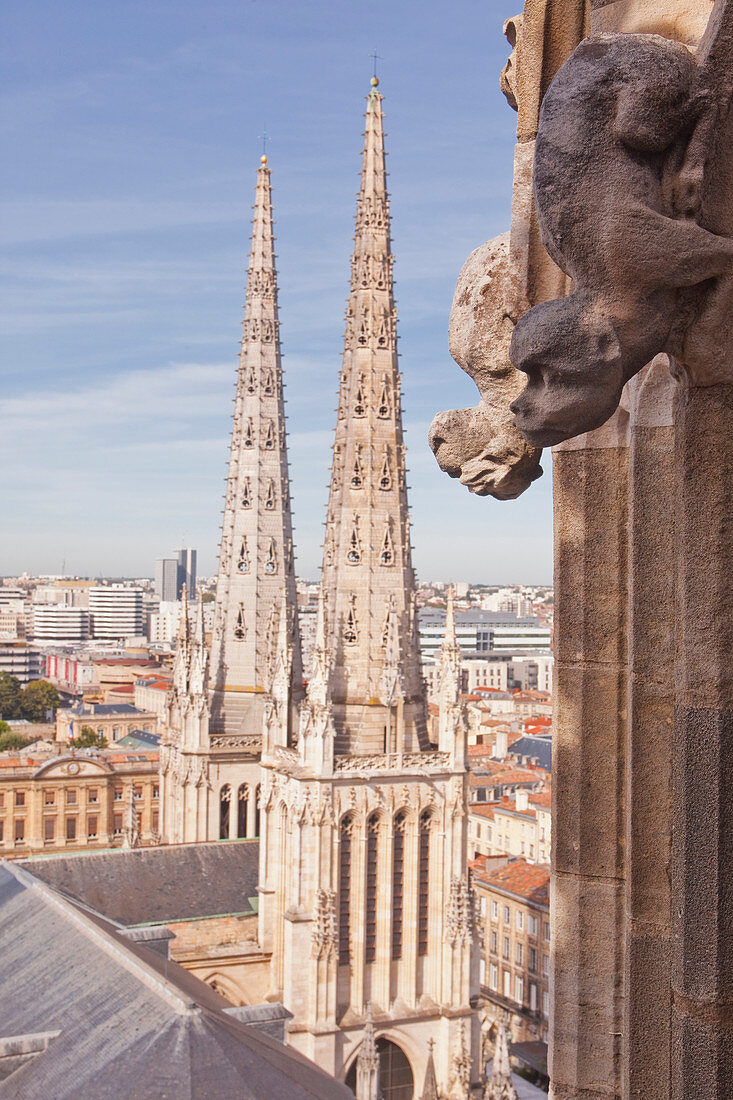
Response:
column 613, row 209
column 482, row 446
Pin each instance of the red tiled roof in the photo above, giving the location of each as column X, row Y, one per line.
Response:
column 530, row 881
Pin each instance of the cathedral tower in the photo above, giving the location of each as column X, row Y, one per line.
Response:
column 255, row 617
column 368, row 580
column 364, row 902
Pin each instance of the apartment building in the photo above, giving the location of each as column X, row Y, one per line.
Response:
column 514, row 902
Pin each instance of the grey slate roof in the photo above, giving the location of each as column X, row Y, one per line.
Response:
column 157, row 885
column 131, row 1025
column 536, row 748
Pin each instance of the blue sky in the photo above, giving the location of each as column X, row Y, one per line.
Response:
column 131, row 132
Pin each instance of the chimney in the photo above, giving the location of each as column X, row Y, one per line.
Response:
column 522, row 798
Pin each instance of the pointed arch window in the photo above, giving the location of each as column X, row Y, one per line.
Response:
column 351, row 628
column 344, row 913
column 225, row 799
column 353, row 554
column 385, row 474
column 269, row 385
column 257, row 796
column 363, row 337
column 398, row 884
column 383, row 334
column 357, row 474
column 249, row 435
column 386, row 553
column 251, row 380
column 370, row 908
column 423, row 883
column 270, row 436
column 240, row 626
column 270, row 496
column 242, row 804
column 360, row 404
column 243, row 559
column 246, row 494
column 267, row 331
column 271, row 558
column 385, row 407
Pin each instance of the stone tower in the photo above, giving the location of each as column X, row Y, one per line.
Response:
column 255, row 621
column 365, row 905
column 368, row 580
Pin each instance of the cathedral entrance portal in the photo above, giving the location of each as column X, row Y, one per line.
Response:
column 396, row 1081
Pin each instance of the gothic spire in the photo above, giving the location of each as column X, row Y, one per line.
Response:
column 256, row 566
column 500, row 1086
column 368, row 579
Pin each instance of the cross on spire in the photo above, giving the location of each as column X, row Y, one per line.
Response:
column 375, row 58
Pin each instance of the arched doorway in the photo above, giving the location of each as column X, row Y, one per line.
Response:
column 396, row 1081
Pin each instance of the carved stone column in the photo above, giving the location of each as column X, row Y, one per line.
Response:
column 589, row 762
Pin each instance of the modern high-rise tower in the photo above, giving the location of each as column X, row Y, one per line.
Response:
column 211, row 775
column 365, row 907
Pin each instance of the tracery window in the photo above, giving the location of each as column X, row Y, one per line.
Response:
column 351, row 628
column 249, row 437
column 370, row 910
column 243, row 559
column 357, row 475
column 242, row 803
column 240, row 627
column 398, row 884
column 353, row 554
column 269, row 386
column 251, row 380
column 423, row 889
column 270, row 497
column 360, row 399
column 344, row 914
column 246, row 494
column 270, row 437
column 386, row 554
column 271, row 559
column 225, row 798
column 385, row 474
column 384, row 406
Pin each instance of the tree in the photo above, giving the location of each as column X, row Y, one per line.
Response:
column 9, row 739
column 9, row 696
column 89, row 739
column 38, row 697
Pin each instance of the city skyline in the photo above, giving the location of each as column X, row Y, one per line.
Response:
column 135, row 277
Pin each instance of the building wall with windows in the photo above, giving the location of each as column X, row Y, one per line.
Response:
column 76, row 801
column 514, row 902
column 520, row 825
column 113, row 721
column 117, row 611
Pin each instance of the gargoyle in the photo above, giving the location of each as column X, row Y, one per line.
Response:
column 615, row 192
column 481, row 445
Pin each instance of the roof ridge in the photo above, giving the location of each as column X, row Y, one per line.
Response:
column 104, row 939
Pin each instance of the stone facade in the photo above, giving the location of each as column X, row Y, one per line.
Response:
column 77, row 801
column 366, row 906
column 641, row 816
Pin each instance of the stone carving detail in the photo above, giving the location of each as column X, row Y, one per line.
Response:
column 250, row 743
column 392, row 761
column 624, row 131
column 461, row 1067
column 462, row 925
column 482, row 446
column 325, row 933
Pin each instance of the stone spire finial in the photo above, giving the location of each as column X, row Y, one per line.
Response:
column 182, row 658
column 367, row 1064
column 499, row 1086
column 256, row 565
column 430, row 1085
column 367, row 568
